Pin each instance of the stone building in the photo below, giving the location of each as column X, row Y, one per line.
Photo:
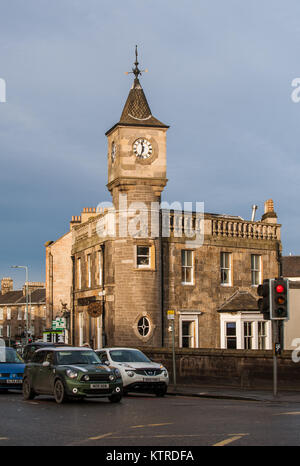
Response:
column 291, row 270
column 13, row 316
column 131, row 263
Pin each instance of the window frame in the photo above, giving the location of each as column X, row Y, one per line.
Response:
column 143, row 266
column 185, row 267
column 255, row 270
column 223, row 268
column 79, row 274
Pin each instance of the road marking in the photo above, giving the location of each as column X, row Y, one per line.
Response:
column 3, row 438
column 291, row 413
column 101, row 436
column 156, row 436
column 152, row 425
column 229, row 440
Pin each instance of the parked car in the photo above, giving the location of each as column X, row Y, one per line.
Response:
column 30, row 348
column 139, row 373
column 11, row 369
column 70, row 372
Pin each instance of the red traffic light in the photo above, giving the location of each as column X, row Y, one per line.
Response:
column 280, row 289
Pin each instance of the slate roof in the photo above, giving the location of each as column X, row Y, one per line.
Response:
column 16, row 297
column 136, row 111
column 290, row 266
column 240, row 301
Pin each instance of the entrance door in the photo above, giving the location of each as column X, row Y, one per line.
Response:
column 188, row 334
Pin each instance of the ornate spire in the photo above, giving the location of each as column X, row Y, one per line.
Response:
column 136, row 111
column 136, row 71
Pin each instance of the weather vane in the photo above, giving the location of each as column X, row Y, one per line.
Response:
column 136, row 71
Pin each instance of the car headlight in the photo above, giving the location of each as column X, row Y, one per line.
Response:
column 86, row 377
column 130, row 373
column 111, row 377
column 165, row 372
column 72, row 374
column 117, row 373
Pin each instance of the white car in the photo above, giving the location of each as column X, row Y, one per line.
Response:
column 139, row 373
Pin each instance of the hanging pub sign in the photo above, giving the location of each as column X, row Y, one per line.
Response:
column 95, row 309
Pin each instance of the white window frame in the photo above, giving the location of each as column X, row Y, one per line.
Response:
column 255, row 270
column 32, row 313
column 20, row 314
column 224, row 268
column 248, row 327
column 185, row 266
column 8, row 333
column 230, row 336
column 1, row 314
column 1, row 330
column 190, row 316
column 239, row 318
column 261, row 336
column 8, row 313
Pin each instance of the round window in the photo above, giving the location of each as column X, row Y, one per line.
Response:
column 143, row 326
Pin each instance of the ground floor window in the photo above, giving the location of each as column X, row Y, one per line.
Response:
column 247, row 335
column 188, row 330
column 262, row 335
column 245, row 331
column 231, row 335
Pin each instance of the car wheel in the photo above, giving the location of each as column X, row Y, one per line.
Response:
column 115, row 398
column 28, row 393
column 59, row 392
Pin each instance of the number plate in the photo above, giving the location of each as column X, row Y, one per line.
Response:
column 14, row 381
column 150, row 379
column 99, row 385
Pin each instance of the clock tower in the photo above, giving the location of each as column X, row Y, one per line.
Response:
column 137, row 173
column 137, row 150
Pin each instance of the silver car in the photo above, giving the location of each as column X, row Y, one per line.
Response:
column 139, row 373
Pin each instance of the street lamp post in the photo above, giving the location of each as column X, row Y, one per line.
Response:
column 26, row 284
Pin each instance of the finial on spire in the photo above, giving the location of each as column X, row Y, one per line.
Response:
column 136, row 71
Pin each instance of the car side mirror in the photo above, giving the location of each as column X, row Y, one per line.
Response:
column 107, row 363
column 46, row 364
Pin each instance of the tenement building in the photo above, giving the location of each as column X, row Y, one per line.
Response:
column 129, row 269
column 22, row 309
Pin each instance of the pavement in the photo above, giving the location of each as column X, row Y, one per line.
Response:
column 206, row 391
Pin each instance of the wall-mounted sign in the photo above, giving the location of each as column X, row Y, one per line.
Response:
column 171, row 315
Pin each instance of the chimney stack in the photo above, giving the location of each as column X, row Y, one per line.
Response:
column 269, row 215
column 7, row 285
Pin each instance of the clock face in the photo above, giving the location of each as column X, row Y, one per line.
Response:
column 113, row 152
column 142, row 148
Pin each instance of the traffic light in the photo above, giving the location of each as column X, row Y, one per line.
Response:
column 264, row 302
column 279, row 298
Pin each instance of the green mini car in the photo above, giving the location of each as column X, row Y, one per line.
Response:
column 70, row 372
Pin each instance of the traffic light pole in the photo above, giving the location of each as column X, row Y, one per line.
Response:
column 275, row 362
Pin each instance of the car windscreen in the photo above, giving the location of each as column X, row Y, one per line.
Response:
column 128, row 356
column 77, row 357
column 10, row 356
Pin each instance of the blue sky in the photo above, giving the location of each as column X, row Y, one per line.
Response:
column 220, row 75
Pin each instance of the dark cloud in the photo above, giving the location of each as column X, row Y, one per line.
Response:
column 220, row 74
